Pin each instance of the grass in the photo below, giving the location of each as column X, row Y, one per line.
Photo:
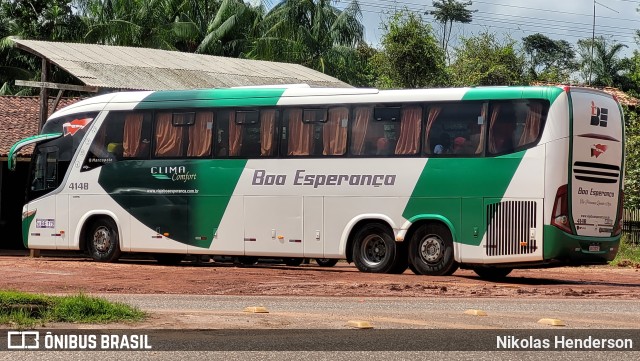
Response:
column 27, row 310
column 628, row 254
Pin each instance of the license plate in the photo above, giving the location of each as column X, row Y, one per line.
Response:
column 594, row 248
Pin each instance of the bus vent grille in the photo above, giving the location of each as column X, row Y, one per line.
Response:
column 596, row 172
column 508, row 228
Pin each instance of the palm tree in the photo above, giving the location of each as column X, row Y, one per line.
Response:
column 448, row 12
column 143, row 23
column 313, row 33
column 232, row 28
column 606, row 64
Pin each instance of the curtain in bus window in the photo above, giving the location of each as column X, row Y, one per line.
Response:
column 334, row 132
column 131, row 139
column 493, row 147
column 267, row 130
column 359, row 129
column 532, row 124
column 434, row 112
column 200, row 135
column 235, row 133
column 168, row 137
column 300, row 133
column 409, row 139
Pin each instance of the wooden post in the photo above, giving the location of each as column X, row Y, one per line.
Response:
column 44, row 94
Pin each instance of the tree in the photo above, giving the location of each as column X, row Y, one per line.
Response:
column 549, row 60
column 143, row 23
column 231, row 30
column 52, row 20
column 632, row 159
column 483, row 60
column 410, row 56
column 313, row 33
column 605, row 68
column 448, row 12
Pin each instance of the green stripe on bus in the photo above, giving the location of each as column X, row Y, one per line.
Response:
column 187, row 203
column 456, row 186
column 208, row 98
column 504, row 93
column 26, row 224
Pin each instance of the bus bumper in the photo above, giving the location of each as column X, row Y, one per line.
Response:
column 571, row 249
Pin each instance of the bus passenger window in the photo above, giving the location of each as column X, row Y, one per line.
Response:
column 303, row 131
column 454, row 129
column 122, row 135
column 246, row 133
column 515, row 125
column 386, row 130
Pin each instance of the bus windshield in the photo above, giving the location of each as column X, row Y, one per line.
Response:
column 51, row 158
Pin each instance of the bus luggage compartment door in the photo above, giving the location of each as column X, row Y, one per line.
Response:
column 273, row 226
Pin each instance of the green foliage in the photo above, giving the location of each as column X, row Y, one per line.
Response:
column 410, row 56
column 628, row 254
column 448, row 12
column 483, row 60
column 632, row 159
column 313, row 33
column 26, row 310
column 605, row 67
column 549, row 60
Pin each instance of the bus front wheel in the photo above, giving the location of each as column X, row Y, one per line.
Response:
column 431, row 251
column 103, row 241
column 374, row 249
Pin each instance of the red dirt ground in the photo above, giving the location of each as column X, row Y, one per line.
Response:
column 70, row 275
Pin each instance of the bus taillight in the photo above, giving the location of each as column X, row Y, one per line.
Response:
column 618, row 228
column 560, row 216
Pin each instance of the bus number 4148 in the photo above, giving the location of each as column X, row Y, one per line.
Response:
column 79, row 186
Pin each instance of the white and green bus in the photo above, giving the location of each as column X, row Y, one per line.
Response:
column 432, row 179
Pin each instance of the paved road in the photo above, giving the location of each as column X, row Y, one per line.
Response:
column 320, row 313
column 385, row 313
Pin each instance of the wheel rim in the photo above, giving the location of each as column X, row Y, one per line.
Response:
column 374, row 250
column 102, row 239
column 431, row 249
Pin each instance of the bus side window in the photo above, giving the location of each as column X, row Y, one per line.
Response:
column 454, row 129
column 301, row 128
column 246, row 133
column 183, row 134
column 122, row 135
column 515, row 125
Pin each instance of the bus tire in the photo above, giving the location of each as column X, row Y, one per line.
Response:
column 492, row 273
column 168, row 259
column 374, row 249
column 103, row 240
column 326, row 262
column 293, row 262
column 431, row 251
column 402, row 259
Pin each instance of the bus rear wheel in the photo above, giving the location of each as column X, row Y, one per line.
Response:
column 374, row 249
column 492, row 273
column 431, row 251
column 103, row 241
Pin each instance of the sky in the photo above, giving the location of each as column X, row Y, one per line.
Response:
column 570, row 20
